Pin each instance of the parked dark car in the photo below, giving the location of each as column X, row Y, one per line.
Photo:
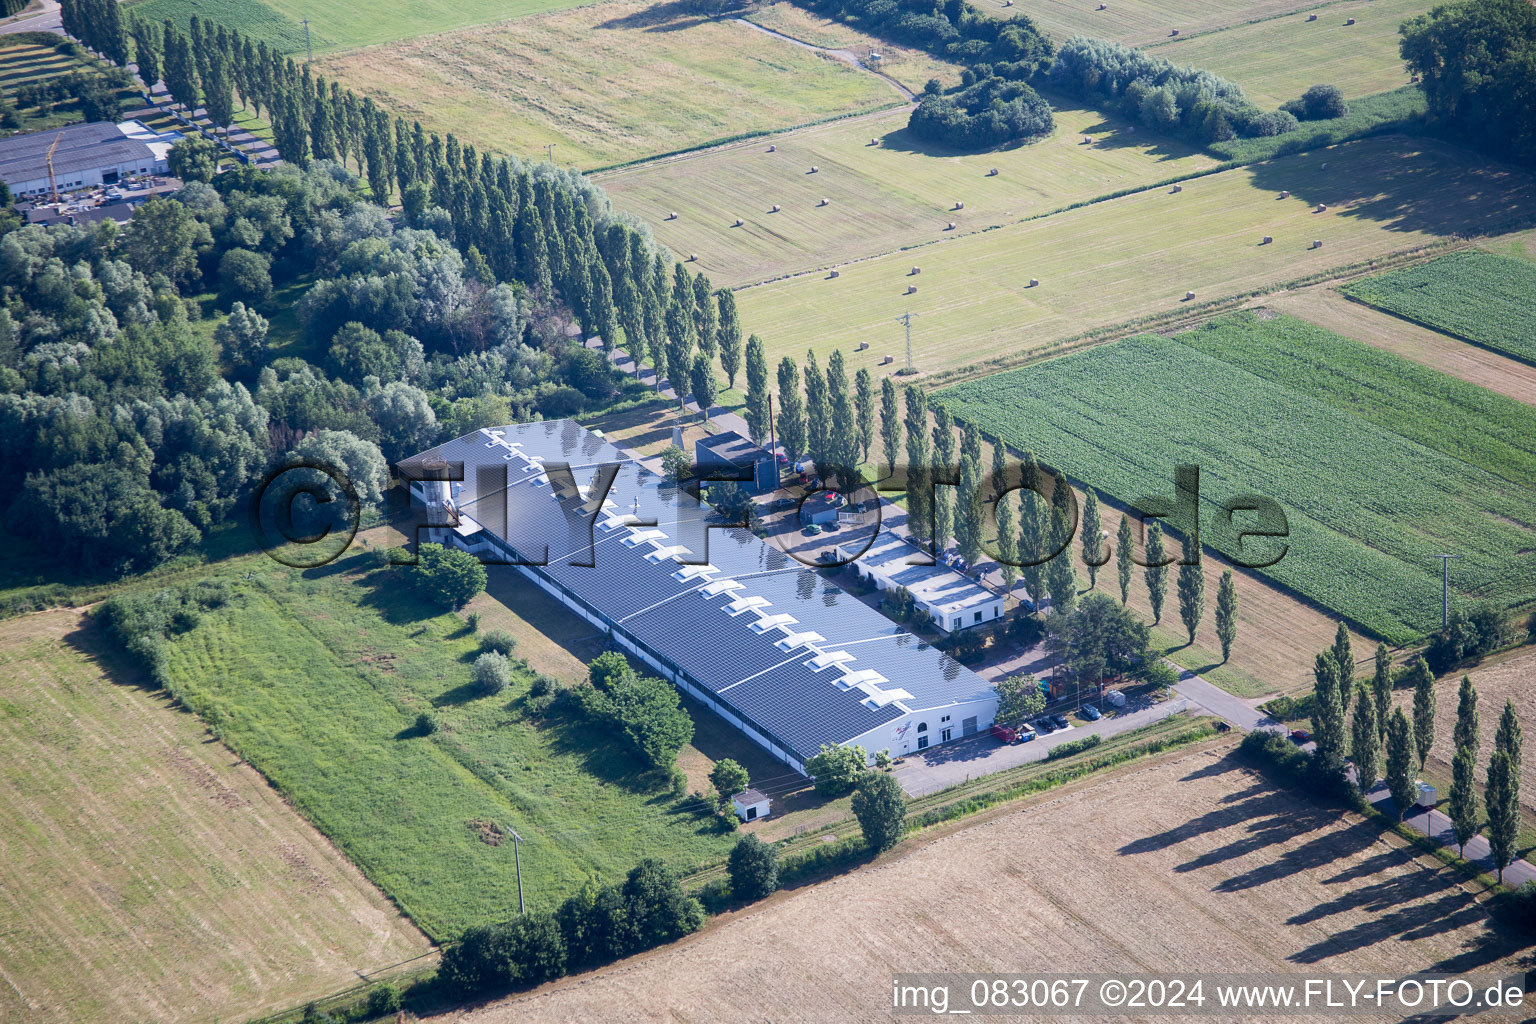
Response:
column 1061, row 721
column 1045, row 724
column 1300, row 736
column 1090, row 712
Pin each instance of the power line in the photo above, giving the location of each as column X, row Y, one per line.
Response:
column 907, row 318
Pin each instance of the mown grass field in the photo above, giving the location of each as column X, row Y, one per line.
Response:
column 1134, row 256
column 148, row 875
column 317, row 678
column 882, row 198
column 1378, row 463
column 1277, row 60
column 911, row 68
column 1140, row 22
column 26, row 63
column 1481, row 297
column 342, row 24
column 608, row 83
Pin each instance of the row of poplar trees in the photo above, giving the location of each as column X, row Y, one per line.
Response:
column 818, row 416
column 526, row 223
column 1383, row 738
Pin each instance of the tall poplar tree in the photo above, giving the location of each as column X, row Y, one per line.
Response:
column 1462, row 808
column 970, row 511
column 1328, row 717
column 1381, row 688
column 943, row 468
column 1157, row 569
column 842, row 423
column 1125, row 546
column 1191, row 598
column 791, row 418
column 1424, row 713
column 1094, row 554
column 729, row 335
column 1061, row 575
column 1502, row 796
column 1007, row 540
column 890, row 424
column 1346, row 659
column 919, row 466
column 1226, row 619
column 864, row 410
column 1365, row 746
column 756, row 412
column 818, row 415
column 1400, row 755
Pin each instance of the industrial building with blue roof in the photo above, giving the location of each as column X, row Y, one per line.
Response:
column 760, row 638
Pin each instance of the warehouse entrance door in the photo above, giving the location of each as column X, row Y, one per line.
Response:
column 968, row 726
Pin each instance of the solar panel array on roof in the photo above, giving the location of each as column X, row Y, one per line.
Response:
column 800, row 660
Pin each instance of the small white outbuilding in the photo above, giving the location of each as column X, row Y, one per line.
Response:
column 751, row 805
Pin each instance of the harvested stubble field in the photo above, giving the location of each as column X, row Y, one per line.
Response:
column 882, row 198
column 1377, row 462
column 1277, row 60
column 1476, row 365
column 145, row 873
column 608, row 83
column 1135, row 256
column 1191, row 864
column 1140, row 22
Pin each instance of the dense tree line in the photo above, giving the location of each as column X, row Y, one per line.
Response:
column 954, row 30
column 1155, row 92
column 1477, row 66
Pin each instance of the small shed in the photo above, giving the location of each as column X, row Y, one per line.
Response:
column 751, row 805
column 734, row 455
column 821, row 508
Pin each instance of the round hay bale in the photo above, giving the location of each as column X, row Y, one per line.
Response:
column 911, row 289
column 1173, row 32
column 672, row 215
column 1188, row 296
column 824, row 201
column 693, row 257
column 1177, row 189
column 1267, row 239
column 887, row 361
column 1285, row 195
column 1311, row 17
column 833, row 273
column 773, row 149
column 1348, row 22
column 992, row 172
column 814, row 168
column 739, row 222
column 959, row 205
column 775, row 208
column 915, row 270
column 1325, row 165
column 1322, row 208
column 1034, row 282
column 863, row 345
column 874, row 141
column 1087, row 140
column 1103, row 7
column 1317, row 243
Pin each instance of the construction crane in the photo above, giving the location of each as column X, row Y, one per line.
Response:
column 53, row 184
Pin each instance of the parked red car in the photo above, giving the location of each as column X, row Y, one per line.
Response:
column 1300, row 736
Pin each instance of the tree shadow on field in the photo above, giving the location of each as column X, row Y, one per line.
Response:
column 603, row 754
column 671, row 16
column 1404, row 184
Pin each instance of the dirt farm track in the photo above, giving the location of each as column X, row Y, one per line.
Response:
column 1191, row 864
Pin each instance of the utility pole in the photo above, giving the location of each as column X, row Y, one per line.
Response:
column 309, row 48
column 517, row 845
column 907, row 318
column 1445, row 588
column 549, row 147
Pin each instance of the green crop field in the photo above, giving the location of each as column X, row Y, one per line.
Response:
column 1114, row 261
column 609, row 83
column 1481, row 297
column 1278, row 59
column 881, row 198
column 341, row 24
column 317, row 678
column 1379, row 463
column 28, row 64
column 1139, row 22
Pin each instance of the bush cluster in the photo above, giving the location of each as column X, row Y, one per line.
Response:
column 1074, row 747
column 140, row 623
column 991, row 112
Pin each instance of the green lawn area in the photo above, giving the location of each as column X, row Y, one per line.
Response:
column 1277, row 60
column 607, row 84
column 1135, row 256
column 1378, row 463
column 1486, row 298
column 341, row 24
column 317, row 677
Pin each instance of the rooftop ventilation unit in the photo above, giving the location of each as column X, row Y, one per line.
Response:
column 828, row 659
column 768, row 622
column 667, row 552
column 719, row 587
column 879, row 698
column 863, row 677
column 746, row 604
column 641, row 536
column 693, row 572
column 794, row 640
